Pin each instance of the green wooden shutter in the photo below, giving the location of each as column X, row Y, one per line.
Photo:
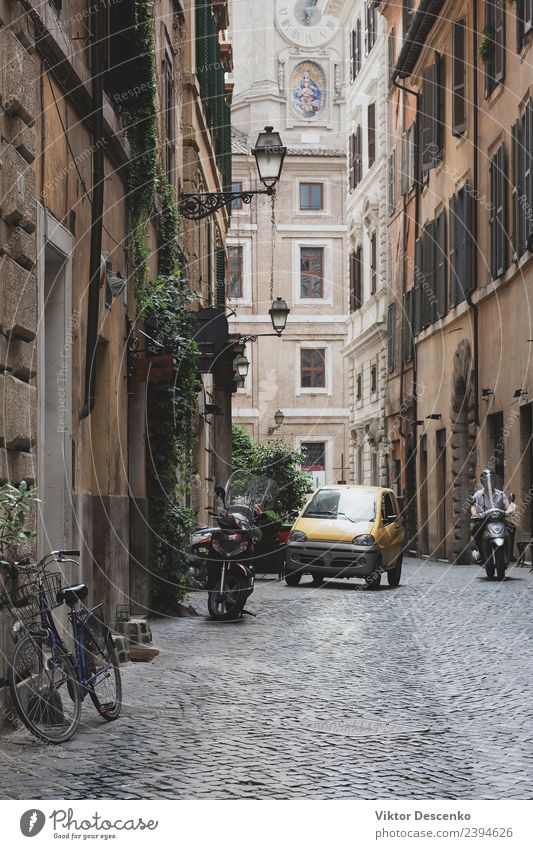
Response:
column 459, row 79
column 441, row 265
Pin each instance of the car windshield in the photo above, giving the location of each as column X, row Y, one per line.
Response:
column 357, row 505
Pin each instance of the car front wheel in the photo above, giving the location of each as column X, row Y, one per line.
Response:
column 373, row 581
column 292, row 579
column 394, row 575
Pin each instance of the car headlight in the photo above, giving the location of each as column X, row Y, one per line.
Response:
column 364, row 539
column 297, row 536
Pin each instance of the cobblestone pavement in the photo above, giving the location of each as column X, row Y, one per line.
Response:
column 423, row 691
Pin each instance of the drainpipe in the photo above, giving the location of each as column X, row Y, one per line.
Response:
column 97, row 206
column 475, row 217
column 411, row 458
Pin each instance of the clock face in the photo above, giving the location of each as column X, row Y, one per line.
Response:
column 303, row 22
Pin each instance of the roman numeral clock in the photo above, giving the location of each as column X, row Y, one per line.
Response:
column 304, row 23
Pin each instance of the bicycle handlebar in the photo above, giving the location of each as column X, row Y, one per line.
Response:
column 52, row 555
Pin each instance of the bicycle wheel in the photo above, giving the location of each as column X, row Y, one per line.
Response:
column 104, row 683
column 44, row 689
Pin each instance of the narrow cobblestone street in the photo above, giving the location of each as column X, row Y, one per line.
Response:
column 423, row 691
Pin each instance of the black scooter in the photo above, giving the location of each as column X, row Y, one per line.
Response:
column 227, row 552
column 494, row 536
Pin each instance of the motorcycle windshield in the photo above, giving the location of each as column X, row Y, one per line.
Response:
column 246, row 491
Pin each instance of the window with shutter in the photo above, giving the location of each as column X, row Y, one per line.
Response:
column 431, row 115
column 355, row 280
column 391, row 183
column 391, row 52
column 351, row 161
column 373, row 264
column 459, row 79
column 426, row 278
column 371, row 134
column 528, row 169
column 391, row 337
column 460, row 245
column 358, row 156
column 371, row 22
column 528, row 16
column 499, row 41
column 356, row 50
column 441, row 265
column 498, row 210
column 495, row 30
column 519, row 219
column 417, row 300
column 408, row 326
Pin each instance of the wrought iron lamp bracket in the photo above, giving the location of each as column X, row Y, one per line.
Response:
column 196, row 206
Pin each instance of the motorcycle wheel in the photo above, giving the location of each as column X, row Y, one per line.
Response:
column 501, row 565
column 228, row 604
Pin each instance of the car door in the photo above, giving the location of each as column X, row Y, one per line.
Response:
column 388, row 530
column 398, row 535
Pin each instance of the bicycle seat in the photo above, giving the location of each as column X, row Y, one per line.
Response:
column 71, row 595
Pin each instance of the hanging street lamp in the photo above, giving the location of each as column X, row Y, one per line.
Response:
column 269, row 154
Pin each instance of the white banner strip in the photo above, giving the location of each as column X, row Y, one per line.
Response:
column 258, row 824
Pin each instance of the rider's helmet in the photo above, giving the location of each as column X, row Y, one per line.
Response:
column 487, row 479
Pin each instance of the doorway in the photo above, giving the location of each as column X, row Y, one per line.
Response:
column 496, row 447
column 423, row 536
column 526, row 465
column 442, row 528
column 54, row 370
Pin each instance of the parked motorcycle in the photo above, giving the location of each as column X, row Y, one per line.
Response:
column 494, row 535
column 228, row 549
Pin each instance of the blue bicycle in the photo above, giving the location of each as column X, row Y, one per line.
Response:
column 48, row 683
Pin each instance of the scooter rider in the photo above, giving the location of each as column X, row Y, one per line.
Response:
column 487, row 498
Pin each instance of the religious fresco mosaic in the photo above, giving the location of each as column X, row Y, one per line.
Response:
column 308, row 87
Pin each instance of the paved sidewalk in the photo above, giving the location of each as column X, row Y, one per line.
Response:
column 423, row 692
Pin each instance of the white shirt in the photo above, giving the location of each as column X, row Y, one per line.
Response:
column 482, row 500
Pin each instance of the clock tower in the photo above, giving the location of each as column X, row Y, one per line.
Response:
column 289, row 74
column 289, row 69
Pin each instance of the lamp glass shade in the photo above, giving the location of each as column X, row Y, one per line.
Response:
column 279, row 313
column 242, row 365
column 278, row 418
column 269, row 155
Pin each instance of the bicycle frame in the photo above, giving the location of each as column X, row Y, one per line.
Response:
column 78, row 632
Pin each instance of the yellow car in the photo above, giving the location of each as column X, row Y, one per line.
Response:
column 347, row 532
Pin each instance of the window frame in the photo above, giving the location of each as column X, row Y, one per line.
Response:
column 313, row 390
column 327, row 289
column 246, row 245
column 311, row 274
column 237, row 205
column 374, row 263
column 459, row 78
column 233, row 250
column 169, row 115
column 309, row 184
column 356, row 279
column 498, row 212
column 371, row 135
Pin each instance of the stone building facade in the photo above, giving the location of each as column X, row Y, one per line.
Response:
column 290, row 75
column 73, row 400
column 469, row 255
column 367, row 214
